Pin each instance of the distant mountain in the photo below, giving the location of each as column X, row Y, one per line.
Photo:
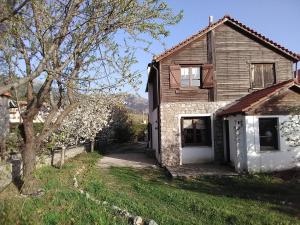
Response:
column 137, row 103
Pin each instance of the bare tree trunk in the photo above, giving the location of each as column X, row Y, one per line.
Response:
column 2, row 149
column 29, row 158
column 62, row 157
column 52, row 156
column 92, row 145
column 4, row 126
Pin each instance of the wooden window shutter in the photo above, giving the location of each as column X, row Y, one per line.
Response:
column 269, row 75
column 175, row 76
column 257, row 71
column 263, row 75
column 207, row 76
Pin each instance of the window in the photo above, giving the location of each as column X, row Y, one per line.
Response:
column 190, row 76
column 262, row 75
column 196, row 131
column 268, row 134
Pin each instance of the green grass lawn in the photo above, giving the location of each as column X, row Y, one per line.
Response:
column 150, row 193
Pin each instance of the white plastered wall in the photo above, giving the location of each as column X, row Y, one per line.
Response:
column 154, row 122
column 237, row 142
column 196, row 154
column 245, row 152
column 265, row 161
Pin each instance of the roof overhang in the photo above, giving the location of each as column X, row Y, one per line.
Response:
column 6, row 94
column 241, row 106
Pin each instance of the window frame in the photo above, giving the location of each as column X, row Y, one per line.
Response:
column 265, row 148
column 209, row 131
column 190, row 66
column 251, row 65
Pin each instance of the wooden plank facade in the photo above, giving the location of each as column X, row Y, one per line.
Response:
column 234, row 53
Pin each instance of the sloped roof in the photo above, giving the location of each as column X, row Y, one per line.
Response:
column 240, row 26
column 245, row 103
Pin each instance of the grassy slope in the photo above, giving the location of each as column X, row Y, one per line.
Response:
column 238, row 200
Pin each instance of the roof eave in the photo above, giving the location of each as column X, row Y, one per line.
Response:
column 289, row 84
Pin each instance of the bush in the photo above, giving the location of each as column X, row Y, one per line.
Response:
column 139, row 131
column 124, row 128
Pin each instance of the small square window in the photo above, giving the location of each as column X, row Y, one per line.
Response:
column 268, row 134
column 190, row 76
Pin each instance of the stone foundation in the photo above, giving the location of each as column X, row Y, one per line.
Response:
column 170, row 114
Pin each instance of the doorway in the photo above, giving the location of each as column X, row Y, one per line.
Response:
column 227, row 141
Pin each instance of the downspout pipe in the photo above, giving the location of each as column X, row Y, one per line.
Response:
column 153, row 65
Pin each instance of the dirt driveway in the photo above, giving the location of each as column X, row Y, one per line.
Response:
column 128, row 155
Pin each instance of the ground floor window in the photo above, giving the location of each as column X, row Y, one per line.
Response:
column 196, row 131
column 268, row 134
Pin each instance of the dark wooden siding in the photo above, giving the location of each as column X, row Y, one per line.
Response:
column 235, row 52
column 195, row 53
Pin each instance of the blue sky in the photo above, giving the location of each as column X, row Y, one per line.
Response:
column 278, row 20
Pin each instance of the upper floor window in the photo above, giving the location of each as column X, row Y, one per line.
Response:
column 262, row 75
column 190, row 76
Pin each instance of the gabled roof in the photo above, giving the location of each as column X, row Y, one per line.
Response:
column 245, row 103
column 240, row 26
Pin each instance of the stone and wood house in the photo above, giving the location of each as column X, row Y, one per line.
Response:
column 221, row 95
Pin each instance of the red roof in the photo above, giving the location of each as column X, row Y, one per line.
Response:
column 243, row 104
column 238, row 24
column 6, row 94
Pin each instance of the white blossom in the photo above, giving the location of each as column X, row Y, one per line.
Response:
column 290, row 129
column 86, row 121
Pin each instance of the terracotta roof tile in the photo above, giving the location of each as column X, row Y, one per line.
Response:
column 219, row 22
column 243, row 104
column 7, row 94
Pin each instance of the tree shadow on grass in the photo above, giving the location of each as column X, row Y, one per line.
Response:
column 283, row 195
column 264, row 188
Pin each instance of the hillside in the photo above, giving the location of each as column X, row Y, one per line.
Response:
column 136, row 103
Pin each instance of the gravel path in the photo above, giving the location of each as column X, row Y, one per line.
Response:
column 135, row 159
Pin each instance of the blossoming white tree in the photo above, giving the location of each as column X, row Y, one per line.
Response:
column 85, row 121
column 290, row 129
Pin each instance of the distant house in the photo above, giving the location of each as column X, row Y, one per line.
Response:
column 219, row 96
column 15, row 114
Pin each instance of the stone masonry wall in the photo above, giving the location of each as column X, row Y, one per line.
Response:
column 170, row 128
column 12, row 170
